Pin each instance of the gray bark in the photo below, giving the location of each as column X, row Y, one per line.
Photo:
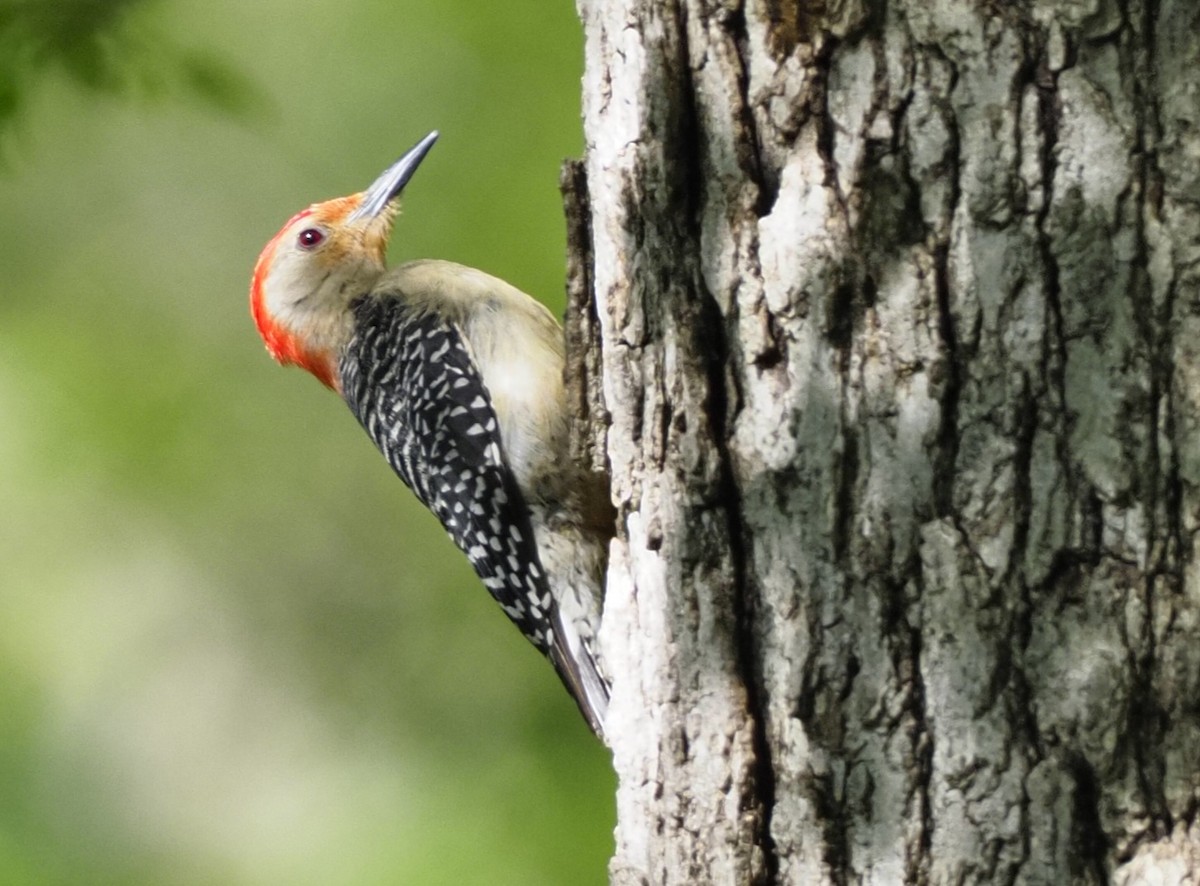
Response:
column 886, row 318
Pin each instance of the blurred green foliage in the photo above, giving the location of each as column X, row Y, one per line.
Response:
column 103, row 46
column 233, row 648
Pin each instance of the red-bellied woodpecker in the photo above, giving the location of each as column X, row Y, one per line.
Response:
column 458, row 379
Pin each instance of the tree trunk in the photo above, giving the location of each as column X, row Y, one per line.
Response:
column 886, row 318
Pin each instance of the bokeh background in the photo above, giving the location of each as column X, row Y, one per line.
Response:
column 233, row 649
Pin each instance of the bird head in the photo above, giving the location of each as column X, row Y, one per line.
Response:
column 324, row 258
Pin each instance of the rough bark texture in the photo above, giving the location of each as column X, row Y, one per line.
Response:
column 894, row 322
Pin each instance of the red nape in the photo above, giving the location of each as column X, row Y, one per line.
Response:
column 283, row 345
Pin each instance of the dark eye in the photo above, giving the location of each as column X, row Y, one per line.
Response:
column 310, row 237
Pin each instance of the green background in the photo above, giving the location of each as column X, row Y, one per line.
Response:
column 233, row 649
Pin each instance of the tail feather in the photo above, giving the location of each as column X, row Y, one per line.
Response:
column 580, row 673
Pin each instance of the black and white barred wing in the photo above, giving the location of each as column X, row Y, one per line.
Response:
column 410, row 380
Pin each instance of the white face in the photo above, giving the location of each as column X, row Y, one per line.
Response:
column 316, row 269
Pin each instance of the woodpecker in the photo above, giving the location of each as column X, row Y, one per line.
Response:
column 457, row 377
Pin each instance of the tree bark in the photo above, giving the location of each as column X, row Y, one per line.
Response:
column 886, row 320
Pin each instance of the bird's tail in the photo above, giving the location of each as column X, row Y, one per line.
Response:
column 576, row 664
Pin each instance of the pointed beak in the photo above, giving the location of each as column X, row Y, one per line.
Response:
column 388, row 186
